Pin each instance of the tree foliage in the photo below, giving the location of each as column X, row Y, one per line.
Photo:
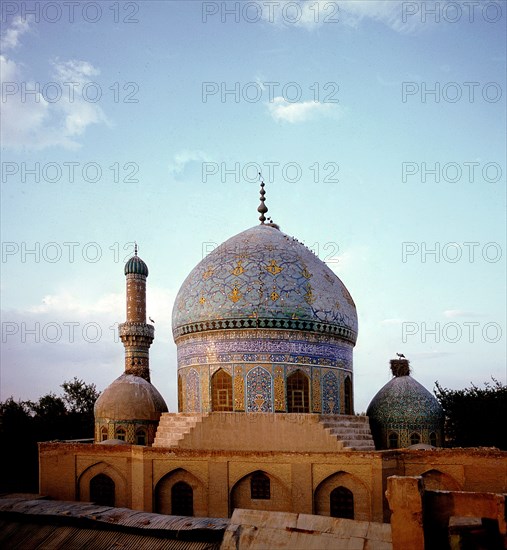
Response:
column 79, row 397
column 475, row 417
column 24, row 423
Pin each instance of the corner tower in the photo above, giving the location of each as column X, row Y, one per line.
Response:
column 129, row 409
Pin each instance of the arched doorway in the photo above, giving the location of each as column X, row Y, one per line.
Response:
column 348, row 395
column 415, row 438
column 182, row 499
column 260, row 486
column 141, row 436
column 221, row 391
column 342, row 495
column 180, row 393
column 393, row 440
column 180, row 493
column 102, row 490
column 341, row 503
column 298, row 400
column 260, row 490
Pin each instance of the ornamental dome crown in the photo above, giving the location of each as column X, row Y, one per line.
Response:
column 136, row 265
column 264, row 278
column 130, row 397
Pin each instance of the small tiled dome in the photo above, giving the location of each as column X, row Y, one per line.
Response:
column 128, row 398
column 405, row 412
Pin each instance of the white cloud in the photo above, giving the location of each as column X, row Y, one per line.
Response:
column 393, row 321
column 66, row 302
column 399, row 15
column 389, row 13
column 184, row 158
column 75, row 71
column 110, row 306
column 453, row 313
column 32, row 121
column 10, row 36
column 282, row 110
column 20, row 120
column 75, row 336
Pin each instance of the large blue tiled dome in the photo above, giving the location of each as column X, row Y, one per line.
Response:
column 264, row 278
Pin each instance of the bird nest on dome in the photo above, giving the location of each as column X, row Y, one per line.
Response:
column 400, row 367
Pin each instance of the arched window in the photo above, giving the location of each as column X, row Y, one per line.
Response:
column 341, row 503
column 415, row 438
column 141, row 437
column 297, row 393
column 182, row 499
column 221, row 391
column 103, row 434
column 102, row 490
column 121, row 434
column 180, row 393
column 348, row 395
column 393, row 441
column 260, row 486
column 433, row 439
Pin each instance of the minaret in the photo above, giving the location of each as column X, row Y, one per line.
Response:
column 135, row 333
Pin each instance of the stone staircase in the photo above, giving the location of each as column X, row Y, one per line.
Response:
column 352, row 431
column 173, row 427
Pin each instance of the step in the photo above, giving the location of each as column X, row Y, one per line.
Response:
column 359, row 445
column 353, row 437
column 173, row 427
column 351, row 431
column 176, row 420
column 345, row 423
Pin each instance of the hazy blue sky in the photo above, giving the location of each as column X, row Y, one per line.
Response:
column 145, row 121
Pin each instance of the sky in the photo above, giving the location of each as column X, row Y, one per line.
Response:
column 379, row 129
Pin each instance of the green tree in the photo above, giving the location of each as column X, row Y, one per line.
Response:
column 48, row 406
column 24, row 423
column 79, row 396
column 80, row 399
column 474, row 416
column 14, row 415
column 18, row 461
column 49, row 418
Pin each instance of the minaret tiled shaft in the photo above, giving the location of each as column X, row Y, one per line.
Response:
column 135, row 333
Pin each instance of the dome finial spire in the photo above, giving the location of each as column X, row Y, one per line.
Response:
column 135, row 248
column 262, row 209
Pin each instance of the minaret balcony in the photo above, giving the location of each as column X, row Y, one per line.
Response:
column 136, row 329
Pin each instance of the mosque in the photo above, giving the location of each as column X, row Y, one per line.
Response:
column 265, row 334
